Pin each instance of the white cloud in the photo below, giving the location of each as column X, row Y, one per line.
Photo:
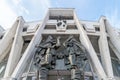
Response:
column 10, row 10
column 44, row 4
column 37, row 9
column 19, row 7
column 113, row 17
column 23, row 10
column 7, row 15
column 16, row 2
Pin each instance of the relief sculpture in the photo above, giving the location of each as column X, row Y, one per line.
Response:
column 77, row 56
column 46, row 56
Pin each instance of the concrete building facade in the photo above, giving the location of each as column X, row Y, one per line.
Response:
column 100, row 40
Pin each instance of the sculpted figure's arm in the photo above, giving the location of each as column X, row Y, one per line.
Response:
column 66, row 42
column 80, row 45
column 58, row 41
column 40, row 46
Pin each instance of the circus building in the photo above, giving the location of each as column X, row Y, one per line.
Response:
column 60, row 47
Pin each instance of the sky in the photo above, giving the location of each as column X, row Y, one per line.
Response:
column 34, row 10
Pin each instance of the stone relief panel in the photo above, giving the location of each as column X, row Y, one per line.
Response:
column 72, row 57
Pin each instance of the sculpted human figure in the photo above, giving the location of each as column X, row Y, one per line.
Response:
column 74, row 49
column 45, row 54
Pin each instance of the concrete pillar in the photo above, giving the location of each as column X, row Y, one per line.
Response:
column 6, row 52
column 7, row 40
column 87, row 44
column 104, row 50
column 16, row 49
column 114, row 37
column 30, row 49
column 114, row 50
column 8, row 78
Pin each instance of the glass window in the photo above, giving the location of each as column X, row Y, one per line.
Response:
column 2, row 68
column 116, row 67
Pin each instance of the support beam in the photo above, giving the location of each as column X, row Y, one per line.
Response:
column 104, row 50
column 114, row 50
column 86, row 42
column 16, row 49
column 114, row 37
column 30, row 50
column 7, row 40
column 8, row 78
column 6, row 52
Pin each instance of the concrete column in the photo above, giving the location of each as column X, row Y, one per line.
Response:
column 87, row 44
column 16, row 49
column 6, row 52
column 114, row 37
column 7, row 40
column 29, row 52
column 104, row 50
column 8, row 78
column 114, row 50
